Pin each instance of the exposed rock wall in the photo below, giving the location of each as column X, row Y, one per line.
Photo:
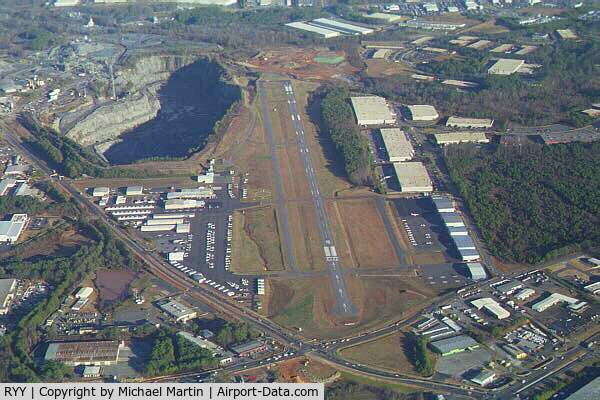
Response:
column 143, row 79
column 109, row 121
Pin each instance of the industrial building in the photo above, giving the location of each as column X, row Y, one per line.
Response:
column 193, row 193
column 381, row 54
column 460, row 137
column 491, row 306
column 469, row 255
column 554, row 299
column 386, row 17
column 593, row 288
column 514, row 351
column 431, row 25
column 134, row 190
column 443, row 204
column 17, row 169
column 454, row 345
column 583, row 135
column 175, row 256
column 249, row 348
column 464, row 242
column 505, row 66
column 460, row 122
column 178, row 311
column 457, row 231
column 91, row 371
column 413, row 177
column 66, row 3
column 566, row 34
column 524, row 294
column 398, row 147
column 7, row 293
column 182, row 204
column 157, row 228
column 484, row 378
column 422, row 112
column 217, row 351
column 183, row 228
column 323, row 32
column 372, row 110
column 100, row 191
column 509, row 288
column 103, row 352
column 6, row 184
column 477, row 271
column 11, row 230
column 341, row 26
column 165, row 221
column 452, row 220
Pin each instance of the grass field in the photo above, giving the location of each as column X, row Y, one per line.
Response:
column 259, row 244
column 329, row 59
column 308, row 303
column 369, row 241
column 386, row 353
column 245, row 251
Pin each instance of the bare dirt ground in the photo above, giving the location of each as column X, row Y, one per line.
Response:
column 488, row 27
column 380, row 68
column 369, row 241
column 112, row 284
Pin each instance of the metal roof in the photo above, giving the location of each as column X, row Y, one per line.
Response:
column 464, row 242
column 477, row 271
column 413, row 177
column 454, row 343
column 590, row 391
column 443, row 203
column 396, row 144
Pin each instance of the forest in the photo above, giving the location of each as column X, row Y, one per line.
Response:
column 562, row 87
column 337, row 123
column 532, row 203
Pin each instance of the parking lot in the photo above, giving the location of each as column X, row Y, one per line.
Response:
column 422, row 224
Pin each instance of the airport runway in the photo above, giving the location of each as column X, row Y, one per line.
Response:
column 343, row 303
column 282, row 210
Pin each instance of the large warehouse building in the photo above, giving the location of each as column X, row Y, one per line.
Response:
column 459, row 122
column 460, row 137
column 323, row 32
column 505, row 66
column 413, row 177
column 7, row 293
column 397, row 145
column 372, row 110
column 104, row 352
column 454, row 345
column 491, row 306
column 341, row 26
column 422, row 112
column 11, row 230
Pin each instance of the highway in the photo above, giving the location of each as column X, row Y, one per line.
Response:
column 343, row 302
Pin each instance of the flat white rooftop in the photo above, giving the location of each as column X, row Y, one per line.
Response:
column 326, row 33
column 342, row 26
column 396, row 144
column 372, row 110
column 423, row 112
column 505, row 66
column 470, row 122
column 413, row 177
column 460, row 137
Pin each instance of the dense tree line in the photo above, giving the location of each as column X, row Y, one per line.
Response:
column 421, row 356
column 533, row 202
column 337, row 123
column 69, row 158
column 232, row 334
column 354, row 391
column 16, row 362
column 172, row 353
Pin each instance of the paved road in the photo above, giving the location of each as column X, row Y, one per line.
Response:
column 343, row 302
column 282, row 210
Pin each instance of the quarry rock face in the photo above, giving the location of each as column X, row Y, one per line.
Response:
column 142, row 81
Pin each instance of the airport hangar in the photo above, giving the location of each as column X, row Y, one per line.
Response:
column 413, row 177
column 397, row 145
column 372, row 111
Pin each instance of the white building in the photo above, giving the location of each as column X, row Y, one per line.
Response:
column 84, row 292
column 423, row 112
column 460, row 137
column 134, row 191
column 341, row 26
column 372, row 110
column 100, row 191
column 460, row 122
column 491, row 306
column 524, row 294
column 178, row 311
column 398, row 147
column 193, row 193
column 11, row 230
column 477, row 271
column 6, row 184
column 323, row 32
column 7, row 293
column 505, row 66
column 413, row 177
column 65, row 3
column 554, row 299
column 182, row 204
column 175, row 256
